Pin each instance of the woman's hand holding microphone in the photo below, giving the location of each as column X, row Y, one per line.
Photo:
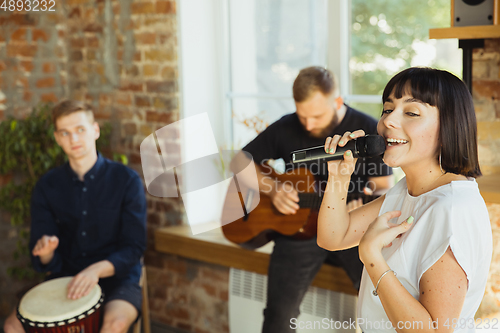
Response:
column 381, row 232
column 342, row 169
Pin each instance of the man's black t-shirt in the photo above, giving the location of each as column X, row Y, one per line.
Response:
column 287, row 135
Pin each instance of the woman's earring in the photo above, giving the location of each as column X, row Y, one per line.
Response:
column 440, row 167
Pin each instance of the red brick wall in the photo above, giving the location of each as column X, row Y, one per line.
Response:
column 188, row 294
column 32, row 60
column 120, row 56
column 486, row 94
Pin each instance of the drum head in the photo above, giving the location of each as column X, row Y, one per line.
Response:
column 48, row 302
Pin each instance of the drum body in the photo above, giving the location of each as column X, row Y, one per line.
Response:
column 46, row 309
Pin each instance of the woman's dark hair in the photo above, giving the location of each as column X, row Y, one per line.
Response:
column 457, row 119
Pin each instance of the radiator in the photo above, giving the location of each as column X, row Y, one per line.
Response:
column 321, row 310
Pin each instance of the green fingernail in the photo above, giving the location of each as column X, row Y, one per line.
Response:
column 348, row 153
column 351, row 135
column 341, row 142
column 410, row 220
column 331, row 150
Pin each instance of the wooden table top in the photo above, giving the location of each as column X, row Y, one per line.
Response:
column 212, row 247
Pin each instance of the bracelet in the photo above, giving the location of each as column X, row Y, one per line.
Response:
column 387, row 271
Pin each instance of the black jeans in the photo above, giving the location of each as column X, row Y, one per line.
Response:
column 292, row 268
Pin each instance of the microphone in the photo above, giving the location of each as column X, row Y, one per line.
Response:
column 365, row 146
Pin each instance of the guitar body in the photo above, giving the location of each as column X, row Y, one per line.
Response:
column 265, row 222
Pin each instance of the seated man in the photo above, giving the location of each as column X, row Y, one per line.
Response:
column 88, row 220
column 320, row 112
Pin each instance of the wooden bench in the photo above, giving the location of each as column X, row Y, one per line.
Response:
column 212, row 247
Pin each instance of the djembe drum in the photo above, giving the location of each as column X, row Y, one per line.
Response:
column 46, row 309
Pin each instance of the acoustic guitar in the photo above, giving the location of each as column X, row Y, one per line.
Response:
column 265, row 222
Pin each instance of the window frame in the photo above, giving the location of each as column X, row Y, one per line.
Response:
column 339, row 47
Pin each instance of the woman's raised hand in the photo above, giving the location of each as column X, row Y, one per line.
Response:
column 346, row 166
column 381, row 233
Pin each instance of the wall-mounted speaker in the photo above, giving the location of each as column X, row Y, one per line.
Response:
column 472, row 12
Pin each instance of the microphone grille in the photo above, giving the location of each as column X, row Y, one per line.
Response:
column 373, row 145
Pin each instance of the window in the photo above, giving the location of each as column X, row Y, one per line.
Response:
column 269, row 42
column 364, row 42
column 387, row 36
column 238, row 58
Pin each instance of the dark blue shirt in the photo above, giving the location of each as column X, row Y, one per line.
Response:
column 100, row 218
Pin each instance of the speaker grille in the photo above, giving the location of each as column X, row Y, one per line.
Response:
column 473, row 12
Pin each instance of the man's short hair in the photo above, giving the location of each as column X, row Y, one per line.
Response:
column 67, row 107
column 312, row 79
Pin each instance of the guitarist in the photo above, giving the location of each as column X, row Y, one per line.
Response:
column 320, row 112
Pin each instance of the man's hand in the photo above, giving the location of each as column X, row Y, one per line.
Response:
column 45, row 247
column 285, row 198
column 82, row 284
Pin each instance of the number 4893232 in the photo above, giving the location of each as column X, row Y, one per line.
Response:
column 28, row 5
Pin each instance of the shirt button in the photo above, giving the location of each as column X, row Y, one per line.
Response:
column 84, row 212
column 84, row 254
column 84, row 233
column 84, row 189
column 91, row 176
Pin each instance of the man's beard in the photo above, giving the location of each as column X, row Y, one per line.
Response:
column 325, row 131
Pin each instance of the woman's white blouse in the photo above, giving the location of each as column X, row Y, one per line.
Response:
column 453, row 215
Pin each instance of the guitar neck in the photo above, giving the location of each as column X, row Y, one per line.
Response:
column 309, row 200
